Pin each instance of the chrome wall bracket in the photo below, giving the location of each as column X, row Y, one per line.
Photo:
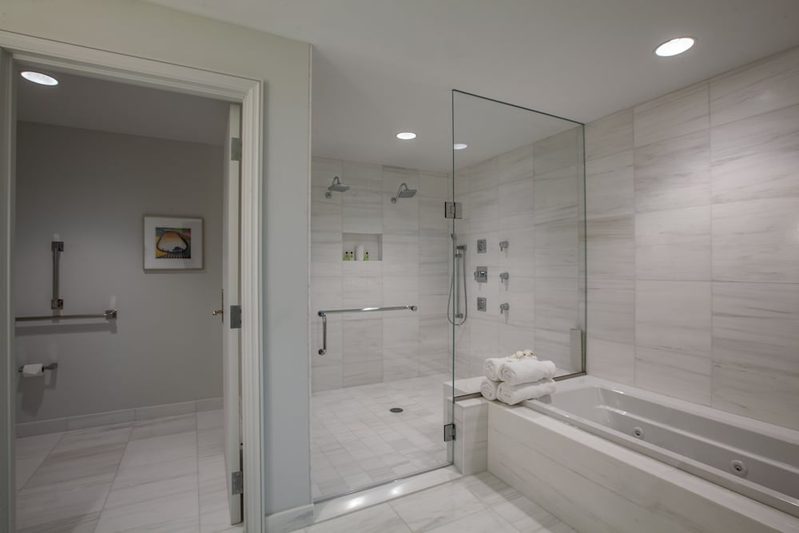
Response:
column 453, row 210
column 449, row 432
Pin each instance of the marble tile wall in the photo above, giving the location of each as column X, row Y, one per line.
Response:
column 379, row 347
column 598, row 486
column 530, row 197
column 693, row 249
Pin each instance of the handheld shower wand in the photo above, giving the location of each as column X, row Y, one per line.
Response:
column 454, row 286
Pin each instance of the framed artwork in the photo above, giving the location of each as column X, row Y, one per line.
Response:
column 173, row 243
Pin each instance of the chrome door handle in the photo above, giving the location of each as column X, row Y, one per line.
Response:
column 218, row 312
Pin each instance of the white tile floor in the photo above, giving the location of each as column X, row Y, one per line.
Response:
column 477, row 504
column 356, row 441
column 165, row 474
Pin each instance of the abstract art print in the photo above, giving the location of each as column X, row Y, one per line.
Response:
column 173, row 243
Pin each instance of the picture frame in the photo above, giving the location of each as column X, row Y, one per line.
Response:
column 172, row 243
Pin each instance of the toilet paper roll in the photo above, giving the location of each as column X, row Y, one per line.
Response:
column 30, row 371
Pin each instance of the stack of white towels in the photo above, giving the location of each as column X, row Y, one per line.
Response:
column 517, row 378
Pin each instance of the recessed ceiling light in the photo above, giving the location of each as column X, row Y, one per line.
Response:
column 675, row 46
column 460, row 146
column 38, row 77
column 406, row 135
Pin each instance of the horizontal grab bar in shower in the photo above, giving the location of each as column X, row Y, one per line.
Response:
column 368, row 310
column 323, row 315
column 108, row 314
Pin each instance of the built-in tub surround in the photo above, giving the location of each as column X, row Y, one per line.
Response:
column 756, row 459
column 692, row 216
column 599, row 486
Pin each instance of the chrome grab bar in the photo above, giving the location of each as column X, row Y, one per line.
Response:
column 109, row 314
column 323, row 315
column 57, row 247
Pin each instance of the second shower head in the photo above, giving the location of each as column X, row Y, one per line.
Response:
column 336, row 186
column 403, row 192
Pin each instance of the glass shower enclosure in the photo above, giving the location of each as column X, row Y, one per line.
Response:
column 519, row 185
column 420, row 274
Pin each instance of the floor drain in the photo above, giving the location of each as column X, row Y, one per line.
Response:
column 396, row 409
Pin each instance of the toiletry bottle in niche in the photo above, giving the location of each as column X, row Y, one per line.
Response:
column 366, row 256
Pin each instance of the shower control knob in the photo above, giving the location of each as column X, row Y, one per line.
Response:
column 504, row 276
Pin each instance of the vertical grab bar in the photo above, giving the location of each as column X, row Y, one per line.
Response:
column 56, row 302
column 323, row 350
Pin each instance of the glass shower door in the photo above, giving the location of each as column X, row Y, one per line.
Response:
column 381, row 354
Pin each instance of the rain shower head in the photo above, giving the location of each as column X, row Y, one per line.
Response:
column 403, row 192
column 336, row 186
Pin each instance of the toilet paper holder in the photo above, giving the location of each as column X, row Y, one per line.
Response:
column 51, row 366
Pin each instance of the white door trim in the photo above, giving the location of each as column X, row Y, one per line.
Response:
column 146, row 72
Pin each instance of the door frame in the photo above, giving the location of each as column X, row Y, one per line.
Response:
column 58, row 56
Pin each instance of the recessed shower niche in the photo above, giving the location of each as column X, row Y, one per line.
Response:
column 372, row 244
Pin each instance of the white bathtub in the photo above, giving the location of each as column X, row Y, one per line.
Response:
column 755, row 459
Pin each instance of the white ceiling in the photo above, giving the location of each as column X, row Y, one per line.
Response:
column 383, row 66
column 95, row 104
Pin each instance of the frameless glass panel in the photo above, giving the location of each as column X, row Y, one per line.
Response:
column 519, row 176
column 380, row 351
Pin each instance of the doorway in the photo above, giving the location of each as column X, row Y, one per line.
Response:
column 177, row 415
column 122, row 188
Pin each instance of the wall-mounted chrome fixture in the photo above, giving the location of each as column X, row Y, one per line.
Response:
column 482, row 246
column 503, row 245
column 454, row 314
column 336, row 186
column 504, row 308
column 403, row 192
column 323, row 316
column 504, row 276
column 482, row 304
column 57, row 246
column 481, row 274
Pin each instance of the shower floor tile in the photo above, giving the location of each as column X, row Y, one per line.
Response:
column 357, row 441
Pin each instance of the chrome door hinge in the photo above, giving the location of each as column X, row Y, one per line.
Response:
column 453, row 210
column 235, row 149
column 235, row 317
column 449, row 432
column 237, row 483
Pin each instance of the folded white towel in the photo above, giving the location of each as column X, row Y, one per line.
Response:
column 526, row 371
column 492, row 367
column 513, row 394
column 489, row 388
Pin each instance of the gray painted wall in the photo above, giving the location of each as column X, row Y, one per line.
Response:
column 93, row 188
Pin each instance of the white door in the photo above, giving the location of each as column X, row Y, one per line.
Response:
column 230, row 297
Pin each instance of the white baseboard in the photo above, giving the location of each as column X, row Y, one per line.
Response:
column 290, row 519
column 55, row 425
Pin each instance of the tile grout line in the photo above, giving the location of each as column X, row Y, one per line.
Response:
column 49, row 453
column 116, row 472
column 197, row 460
